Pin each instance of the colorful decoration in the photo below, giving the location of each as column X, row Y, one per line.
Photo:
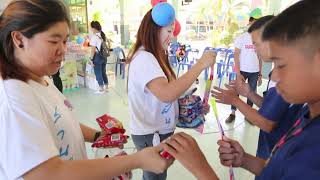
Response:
column 80, row 40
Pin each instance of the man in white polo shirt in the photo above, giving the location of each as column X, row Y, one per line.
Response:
column 248, row 65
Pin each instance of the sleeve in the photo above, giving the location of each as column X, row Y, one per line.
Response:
column 273, row 107
column 146, row 68
column 25, row 137
column 238, row 42
column 94, row 41
column 303, row 164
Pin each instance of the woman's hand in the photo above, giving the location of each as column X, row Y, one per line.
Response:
column 208, row 59
column 206, row 108
column 150, row 160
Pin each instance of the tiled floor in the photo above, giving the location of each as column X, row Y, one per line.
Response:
column 88, row 106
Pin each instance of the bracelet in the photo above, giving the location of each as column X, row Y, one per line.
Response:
column 96, row 136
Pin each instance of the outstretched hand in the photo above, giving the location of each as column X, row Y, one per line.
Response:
column 241, row 87
column 225, row 96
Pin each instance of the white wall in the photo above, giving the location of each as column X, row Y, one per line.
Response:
column 3, row 4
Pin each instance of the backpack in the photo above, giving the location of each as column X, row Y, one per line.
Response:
column 104, row 49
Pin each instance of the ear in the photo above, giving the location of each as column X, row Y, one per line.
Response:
column 317, row 59
column 18, row 39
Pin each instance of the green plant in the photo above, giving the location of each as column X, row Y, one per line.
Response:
column 224, row 15
column 97, row 16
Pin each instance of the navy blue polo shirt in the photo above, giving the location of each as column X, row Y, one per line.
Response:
column 298, row 158
column 276, row 109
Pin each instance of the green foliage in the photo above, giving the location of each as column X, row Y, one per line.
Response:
column 224, row 14
column 97, row 16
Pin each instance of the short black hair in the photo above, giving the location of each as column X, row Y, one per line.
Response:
column 260, row 23
column 299, row 21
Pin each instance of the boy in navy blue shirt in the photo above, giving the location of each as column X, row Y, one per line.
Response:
column 293, row 40
column 275, row 115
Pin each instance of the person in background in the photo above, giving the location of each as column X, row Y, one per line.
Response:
column 98, row 61
column 247, row 64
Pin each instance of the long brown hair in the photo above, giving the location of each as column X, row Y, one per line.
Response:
column 29, row 17
column 149, row 37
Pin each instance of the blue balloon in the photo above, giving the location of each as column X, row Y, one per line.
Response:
column 163, row 14
column 80, row 40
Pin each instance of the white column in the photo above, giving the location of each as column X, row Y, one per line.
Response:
column 3, row 4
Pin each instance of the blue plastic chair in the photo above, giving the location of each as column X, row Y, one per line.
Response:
column 172, row 54
column 226, row 67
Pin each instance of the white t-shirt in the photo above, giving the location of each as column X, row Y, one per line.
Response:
column 249, row 61
column 147, row 113
column 36, row 124
column 96, row 40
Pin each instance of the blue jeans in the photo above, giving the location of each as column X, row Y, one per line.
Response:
column 252, row 80
column 100, row 70
column 143, row 141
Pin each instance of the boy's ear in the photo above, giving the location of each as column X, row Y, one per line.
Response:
column 317, row 59
column 317, row 56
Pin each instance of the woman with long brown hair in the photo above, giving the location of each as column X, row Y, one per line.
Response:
column 153, row 88
column 40, row 138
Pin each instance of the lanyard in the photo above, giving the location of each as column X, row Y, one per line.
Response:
column 294, row 131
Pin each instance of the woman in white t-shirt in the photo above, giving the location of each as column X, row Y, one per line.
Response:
column 99, row 63
column 153, row 88
column 40, row 138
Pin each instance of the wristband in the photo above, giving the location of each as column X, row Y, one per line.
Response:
column 96, row 136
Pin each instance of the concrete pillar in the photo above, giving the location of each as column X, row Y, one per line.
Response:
column 124, row 26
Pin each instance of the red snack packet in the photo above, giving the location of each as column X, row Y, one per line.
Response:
column 110, row 124
column 166, row 155
column 109, row 141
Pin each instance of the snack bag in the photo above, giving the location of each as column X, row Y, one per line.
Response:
column 110, row 125
column 110, row 141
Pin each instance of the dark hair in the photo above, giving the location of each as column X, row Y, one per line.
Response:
column 149, row 37
column 300, row 21
column 96, row 25
column 258, row 24
column 29, row 17
column 252, row 19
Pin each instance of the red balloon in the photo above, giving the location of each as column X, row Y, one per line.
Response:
column 177, row 28
column 155, row 2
